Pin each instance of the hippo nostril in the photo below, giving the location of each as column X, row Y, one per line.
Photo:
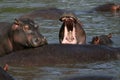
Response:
column 44, row 40
column 37, row 39
column 40, row 39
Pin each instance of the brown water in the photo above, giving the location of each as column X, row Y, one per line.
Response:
column 94, row 24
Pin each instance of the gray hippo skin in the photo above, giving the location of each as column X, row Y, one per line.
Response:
column 102, row 40
column 4, row 75
column 71, row 31
column 52, row 54
column 19, row 35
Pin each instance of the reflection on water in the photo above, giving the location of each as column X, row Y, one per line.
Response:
column 60, row 72
column 94, row 24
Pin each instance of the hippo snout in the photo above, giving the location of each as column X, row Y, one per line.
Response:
column 38, row 41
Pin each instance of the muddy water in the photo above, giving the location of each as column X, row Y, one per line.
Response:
column 94, row 24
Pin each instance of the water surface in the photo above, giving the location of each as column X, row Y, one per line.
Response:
column 94, row 24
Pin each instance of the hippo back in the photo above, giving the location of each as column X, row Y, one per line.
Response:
column 52, row 54
column 45, row 13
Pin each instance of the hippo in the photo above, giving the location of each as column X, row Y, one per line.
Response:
column 45, row 13
column 102, row 40
column 4, row 75
column 21, row 34
column 108, row 7
column 71, row 31
column 54, row 54
column 5, row 24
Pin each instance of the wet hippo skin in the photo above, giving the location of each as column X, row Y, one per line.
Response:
column 71, row 31
column 52, row 54
column 45, row 13
column 4, row 75
column 20, row 34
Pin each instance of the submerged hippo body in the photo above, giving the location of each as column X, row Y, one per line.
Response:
column 71, row 31
column 52, row 54
column 108, row 7
column 46, row 13
column 4, row 75
column 102, row 40
column 21, row 34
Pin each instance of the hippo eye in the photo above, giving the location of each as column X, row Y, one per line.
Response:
column 36, row 26
column 63, row 18
column 71, row 18
column 26, row 28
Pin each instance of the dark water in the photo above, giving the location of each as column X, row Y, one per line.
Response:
column 94, row 24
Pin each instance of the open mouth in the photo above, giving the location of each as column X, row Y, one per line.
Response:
column 69, row 33
column 69, row 24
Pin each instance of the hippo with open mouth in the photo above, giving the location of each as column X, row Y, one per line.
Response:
column 22, row 33
column 71, row 31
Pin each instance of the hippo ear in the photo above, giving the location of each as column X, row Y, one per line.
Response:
column 60, row 19
column 96, row 40
column 15, row 24
column 16, row 21
column 110, row 35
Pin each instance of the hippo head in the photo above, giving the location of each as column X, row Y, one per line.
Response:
column 25, row 33
column 68, row 17
column 108, row 7
column 69, row 22
column 103, row 39
column 116, row 7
